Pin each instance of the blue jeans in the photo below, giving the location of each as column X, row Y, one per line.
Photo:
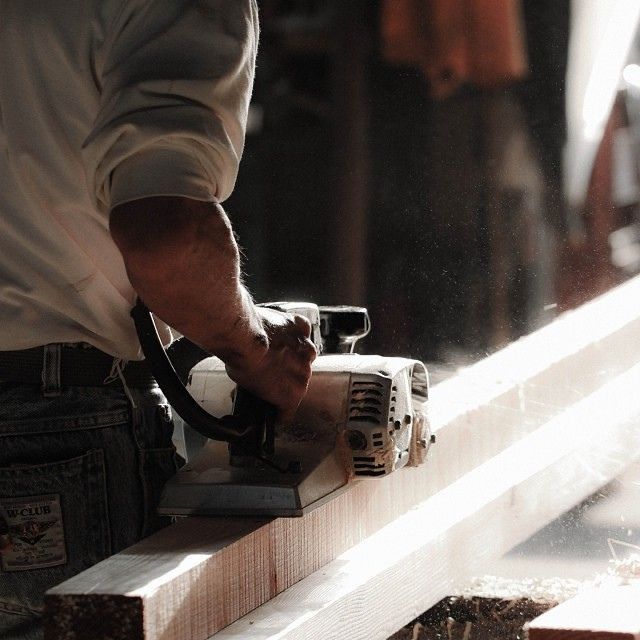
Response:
column 80, row 477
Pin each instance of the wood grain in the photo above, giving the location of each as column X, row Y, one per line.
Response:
column 431, row 552
column 200, row 575
column 607, row 613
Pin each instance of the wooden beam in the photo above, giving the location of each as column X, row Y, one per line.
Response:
column 607, row 613
column 432, row 551
column 506, row 462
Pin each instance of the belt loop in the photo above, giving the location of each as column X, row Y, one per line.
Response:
column 51, row 386
column 5, row 533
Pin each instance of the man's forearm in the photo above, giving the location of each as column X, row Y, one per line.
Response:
column 182, row 259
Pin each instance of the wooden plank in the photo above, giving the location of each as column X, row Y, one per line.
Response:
column 433, row 550
column 606, row 613
column 196, row 577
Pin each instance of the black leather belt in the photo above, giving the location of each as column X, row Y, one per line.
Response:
column 80, row 366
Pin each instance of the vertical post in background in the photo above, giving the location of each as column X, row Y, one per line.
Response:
column 348, row 266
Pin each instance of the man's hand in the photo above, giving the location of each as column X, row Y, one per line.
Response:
column 183, row 261
column 279, row 371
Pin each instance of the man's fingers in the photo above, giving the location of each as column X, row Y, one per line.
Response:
column 303, row 325
column 293, row 388
column 283, row 375
column 306, row 350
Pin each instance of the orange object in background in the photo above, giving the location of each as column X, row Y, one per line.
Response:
column 456, row 42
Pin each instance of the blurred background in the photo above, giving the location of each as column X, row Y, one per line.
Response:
column 466, row 169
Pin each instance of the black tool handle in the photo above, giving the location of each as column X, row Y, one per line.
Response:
column 229, row 428
column 342, row 326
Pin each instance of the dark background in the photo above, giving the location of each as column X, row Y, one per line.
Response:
column 360, row 186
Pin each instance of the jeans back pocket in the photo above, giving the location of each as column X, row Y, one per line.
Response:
column 57, row 518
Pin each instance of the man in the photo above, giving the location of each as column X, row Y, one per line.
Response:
column 121, row 128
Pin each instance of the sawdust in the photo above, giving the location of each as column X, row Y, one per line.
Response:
column 494, row 608
column 490, row 608
column 622, row 570
column 540, row 590
column 464, row 618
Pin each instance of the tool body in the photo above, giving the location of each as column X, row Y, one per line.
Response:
column 363, row 415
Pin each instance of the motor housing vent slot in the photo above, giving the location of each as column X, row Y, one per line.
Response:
column 366, row 401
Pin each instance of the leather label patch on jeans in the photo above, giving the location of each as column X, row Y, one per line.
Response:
column 36, row 532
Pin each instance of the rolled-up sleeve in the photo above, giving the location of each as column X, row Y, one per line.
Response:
column 175, row 79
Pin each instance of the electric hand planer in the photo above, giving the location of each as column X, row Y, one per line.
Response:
column 363, row 415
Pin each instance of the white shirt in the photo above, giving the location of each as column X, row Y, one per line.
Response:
column 103, row 102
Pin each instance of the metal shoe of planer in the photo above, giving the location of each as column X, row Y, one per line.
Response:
column 363, row 415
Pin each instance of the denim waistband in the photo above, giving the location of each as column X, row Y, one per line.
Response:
column 62, row 365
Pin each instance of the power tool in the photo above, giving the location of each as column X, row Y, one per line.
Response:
column 363, row 415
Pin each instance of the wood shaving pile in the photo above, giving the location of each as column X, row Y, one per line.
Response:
column 622, row 570
column 627, row 569
column 491, row 608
